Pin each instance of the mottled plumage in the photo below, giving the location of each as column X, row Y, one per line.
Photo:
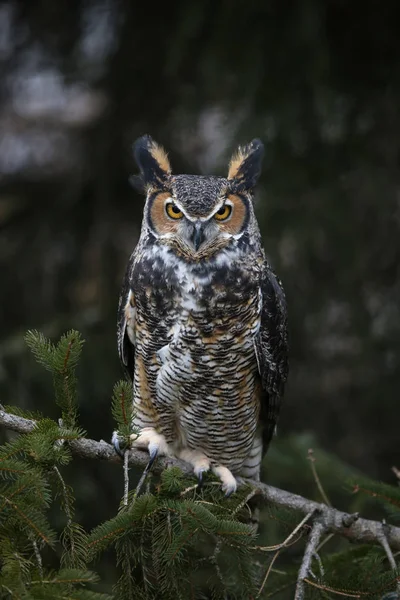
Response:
column 202, row 319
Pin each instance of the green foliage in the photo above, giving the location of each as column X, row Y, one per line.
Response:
column 380, row 494
column 360, row 572
column 168, row 544
column 61, row 360
column 31, row 483
column 173, row 541
column 122, row 411
column 369, row 576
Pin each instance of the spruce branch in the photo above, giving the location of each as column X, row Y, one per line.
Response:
column 363, row 531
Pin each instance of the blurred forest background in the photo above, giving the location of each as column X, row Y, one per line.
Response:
column 318, row 82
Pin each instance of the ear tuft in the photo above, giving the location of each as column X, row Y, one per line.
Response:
column 152, row 160
column 245, row 166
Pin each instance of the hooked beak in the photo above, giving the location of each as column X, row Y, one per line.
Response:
column 197, row 238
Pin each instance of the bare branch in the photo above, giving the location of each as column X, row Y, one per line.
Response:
column 348, row 520
column 385, row 545
column 126, row 478
column 362, row 531
column 317, row 530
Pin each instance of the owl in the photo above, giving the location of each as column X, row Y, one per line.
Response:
column 202, row 323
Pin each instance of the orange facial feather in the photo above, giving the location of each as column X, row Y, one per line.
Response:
column 159, row 219
column 235, row 223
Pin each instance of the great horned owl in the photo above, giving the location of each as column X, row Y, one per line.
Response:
column 202, row 328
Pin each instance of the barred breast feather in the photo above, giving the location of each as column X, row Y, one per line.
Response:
column 194, row 338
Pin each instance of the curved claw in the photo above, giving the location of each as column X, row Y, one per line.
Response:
column 200, row 480
column 118, row 446
column 153, row 455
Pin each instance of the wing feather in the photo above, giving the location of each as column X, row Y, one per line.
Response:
column 272, row 351
column 126, row 323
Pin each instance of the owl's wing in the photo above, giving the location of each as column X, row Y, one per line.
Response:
column 126, row 323
column 271, row 347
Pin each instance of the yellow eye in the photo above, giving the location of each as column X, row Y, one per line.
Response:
column 223, row 213
column 173, row 211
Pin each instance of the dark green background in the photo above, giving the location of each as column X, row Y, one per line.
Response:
column 318, row 82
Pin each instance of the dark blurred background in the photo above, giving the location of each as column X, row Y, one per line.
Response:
column 318, row 82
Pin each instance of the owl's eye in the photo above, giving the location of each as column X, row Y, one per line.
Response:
column 173, row 211
column 223, row 213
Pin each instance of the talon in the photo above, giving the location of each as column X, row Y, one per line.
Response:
column 153, row 455
column 118, row 447
column 229, row 493
column 199, row 462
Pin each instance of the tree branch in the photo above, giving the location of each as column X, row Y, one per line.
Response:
column 311, row 548
column 363, row 531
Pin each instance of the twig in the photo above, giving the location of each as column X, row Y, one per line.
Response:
column 280, row 547
column 311, row 458
column 363, row 531
column 383, row 540
column 319, row 561
column 189, row 489
column 214, row 561
column 143, row 477
column 140, row 483
column 126, row 478
column 38, row 557
column 346, row 593
column 385, row 545
column 243, row 503
column 67, row 507
column 271, row 564
column 290, row 537
column 317, row 530
column 148, row 483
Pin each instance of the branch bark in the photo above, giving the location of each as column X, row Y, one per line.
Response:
column 363, row 531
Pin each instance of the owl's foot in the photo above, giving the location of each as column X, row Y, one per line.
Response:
column 155, row 443
column 199, row 461
column 201, row 464
column 148, row 439
column 229, row 483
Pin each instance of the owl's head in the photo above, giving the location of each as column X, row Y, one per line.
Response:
column 198, row 215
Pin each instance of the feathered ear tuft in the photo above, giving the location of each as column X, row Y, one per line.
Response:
column 245, row 166
column 152, row 161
